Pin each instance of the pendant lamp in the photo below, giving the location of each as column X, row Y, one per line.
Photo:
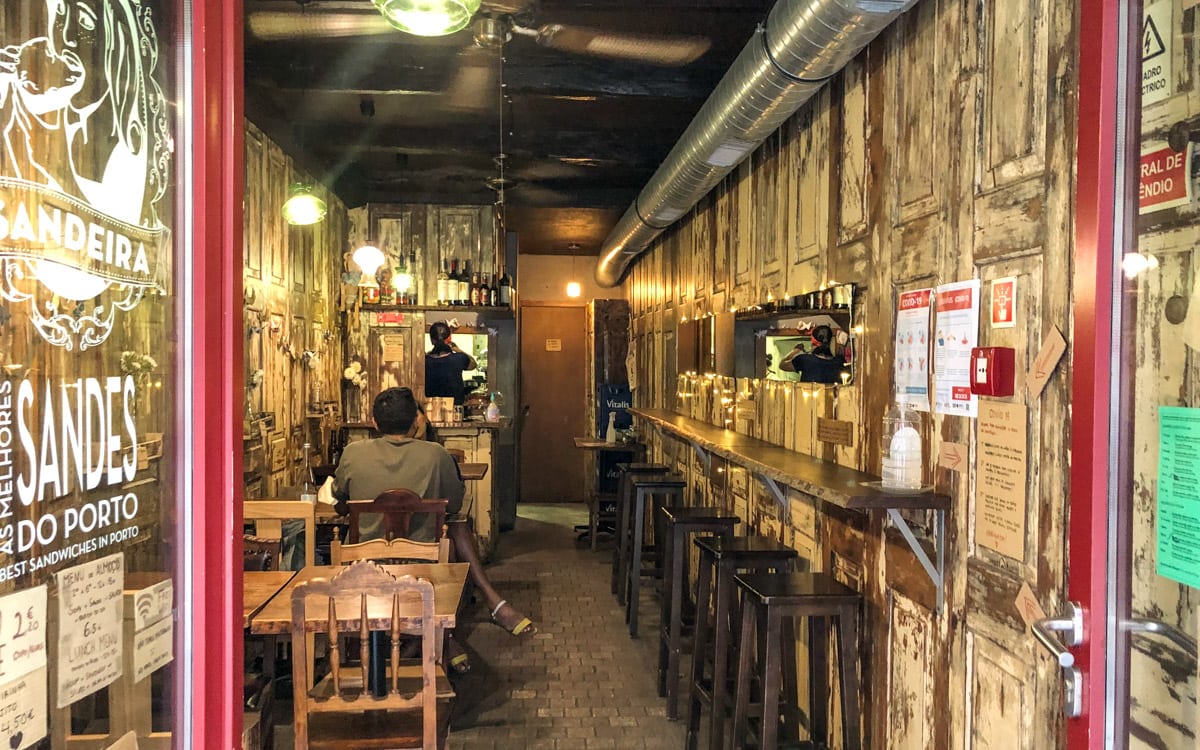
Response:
column 303, row 207
column 428, row 17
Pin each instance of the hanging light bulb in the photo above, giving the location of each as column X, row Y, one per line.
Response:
column 368, row 258
column 303, row 208
column 573, row 287
column 428, row 17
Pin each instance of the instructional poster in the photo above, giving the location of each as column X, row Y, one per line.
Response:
column 90, row 610
column 956, row 332
column 1178, row 516
column 1002, row 480
column 912, row 348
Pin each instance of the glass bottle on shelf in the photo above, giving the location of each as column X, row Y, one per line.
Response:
column 464, row 284
column 476, row 288
column 308, row 488
column 504, row 297
column 443, row 280
column 452, row 284
column 400, row 293
column 410, row 281
column 485, row 291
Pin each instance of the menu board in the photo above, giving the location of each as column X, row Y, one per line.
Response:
column 90, row 610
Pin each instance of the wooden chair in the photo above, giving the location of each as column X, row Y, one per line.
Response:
column 397, row 507
column 413, row 709
column 394, row 549
column 261, row 553
column 458, row 454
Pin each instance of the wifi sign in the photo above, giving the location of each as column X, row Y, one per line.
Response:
column 152, row 604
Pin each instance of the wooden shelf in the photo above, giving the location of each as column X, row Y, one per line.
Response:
column 838, row 485
column 495, row 312
column 775, row 465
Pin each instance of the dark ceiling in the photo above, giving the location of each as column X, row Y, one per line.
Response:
column 383, row 116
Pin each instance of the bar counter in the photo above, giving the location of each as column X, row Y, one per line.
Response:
column 774, row 465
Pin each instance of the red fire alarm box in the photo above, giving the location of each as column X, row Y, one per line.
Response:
column 992, row 370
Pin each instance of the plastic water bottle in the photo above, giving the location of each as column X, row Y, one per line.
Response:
column 903, row 462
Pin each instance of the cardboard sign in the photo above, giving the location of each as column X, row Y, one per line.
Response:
column 835, row 431
column 1045, row 362
column 1028, row 606
column 1163, row 181
column 953, row 456
column 554, row 345
column 1002, row 483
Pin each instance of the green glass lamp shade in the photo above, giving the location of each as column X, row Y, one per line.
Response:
column 303, row 207
column 428, row 17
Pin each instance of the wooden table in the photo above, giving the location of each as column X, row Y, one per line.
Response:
column 596, row 498
column 448, row 579
column 259, row 587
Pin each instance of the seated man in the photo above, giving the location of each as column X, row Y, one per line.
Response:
column 398, row 459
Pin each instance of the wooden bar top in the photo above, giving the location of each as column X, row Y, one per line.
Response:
column 449, row 580
column 834, row 484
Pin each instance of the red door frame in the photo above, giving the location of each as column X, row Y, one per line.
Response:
column 218, row 181
column 1102, row 190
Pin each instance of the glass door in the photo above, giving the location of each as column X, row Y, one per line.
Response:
column 1154, row 578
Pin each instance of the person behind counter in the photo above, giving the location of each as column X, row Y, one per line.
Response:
column 445, row 365
column 405, row 457
column 820, row 365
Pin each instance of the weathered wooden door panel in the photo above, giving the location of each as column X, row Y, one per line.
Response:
column 911, row 722
column 252, row 247
column 274, row 234
column 852, row 159
column 806, row 195
column 1002, row 701
column 744, row 252
column 917, row 98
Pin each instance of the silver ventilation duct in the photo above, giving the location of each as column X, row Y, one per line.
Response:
column 803, row 44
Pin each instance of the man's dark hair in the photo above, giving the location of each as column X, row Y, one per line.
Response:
column 394, row 410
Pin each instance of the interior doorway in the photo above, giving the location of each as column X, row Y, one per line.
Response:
column 553, row 402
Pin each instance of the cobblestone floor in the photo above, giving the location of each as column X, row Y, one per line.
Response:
column 580, row 682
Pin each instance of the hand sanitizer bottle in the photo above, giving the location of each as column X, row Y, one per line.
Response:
column 610, row 434
column 903, row 463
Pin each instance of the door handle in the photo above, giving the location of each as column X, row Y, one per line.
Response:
column 1148, row 626
column 1057, row 634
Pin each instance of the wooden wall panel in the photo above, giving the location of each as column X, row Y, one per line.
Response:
column 910, row 712
column 1002, row 701
column 908, row 171
column 850, row 153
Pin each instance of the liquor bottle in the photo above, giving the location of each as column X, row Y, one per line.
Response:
column 443, row 280
column 494, row 293
column 399, row 293
column 505, row 289
column 308, row 488
column 464, row 284
column 411, row 281
column 485, row 291
column 452, row 283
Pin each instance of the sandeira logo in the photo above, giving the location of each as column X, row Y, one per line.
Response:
column 85, row 166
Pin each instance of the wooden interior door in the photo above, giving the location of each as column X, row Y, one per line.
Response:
column 553, row 403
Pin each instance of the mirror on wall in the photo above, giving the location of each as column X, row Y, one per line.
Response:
column 807, row 345
column 705, row 345
column 476, row 343
column 687, row 346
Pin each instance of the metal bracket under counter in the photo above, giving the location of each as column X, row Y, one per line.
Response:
column 937, row 573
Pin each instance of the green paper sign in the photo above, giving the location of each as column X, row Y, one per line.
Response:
column 1178, row 522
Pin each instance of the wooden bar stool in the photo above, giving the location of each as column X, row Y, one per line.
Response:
column 624, row 500
column 722, row 559
column 770, row 600
column 678, row 524
column 645, row 488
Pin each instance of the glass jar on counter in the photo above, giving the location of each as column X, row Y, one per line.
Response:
column 903, row 454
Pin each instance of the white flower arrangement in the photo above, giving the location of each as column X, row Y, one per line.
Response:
column 133, row 363
column 354, row 375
